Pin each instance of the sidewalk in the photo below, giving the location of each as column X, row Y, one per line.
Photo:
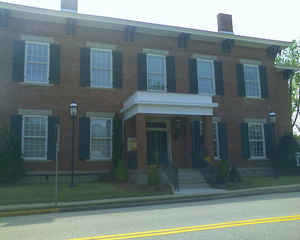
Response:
column 188, row 195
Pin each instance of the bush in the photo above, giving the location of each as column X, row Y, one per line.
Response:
column 234, row 174
column 222, row 172
column 285, row 160
column 121, row 172
column 11, row 161
column 154, row 175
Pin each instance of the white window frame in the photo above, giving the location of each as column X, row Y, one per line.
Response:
column 258, row 80
column 165, row 72
column 261, row 123
column 103, row 138
column 218, row 157
column 198, row 60
column 101, row 68
column 46, row 136
column 25, row 62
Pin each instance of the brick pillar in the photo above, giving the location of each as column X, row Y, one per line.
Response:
column 209, row 136
column 141, row 140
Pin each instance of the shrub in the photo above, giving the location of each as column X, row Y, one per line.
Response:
column 11, row 161
column 222, row 172
column 121, row 172
column 285, row 160
column 234, row 174
column 154, row 175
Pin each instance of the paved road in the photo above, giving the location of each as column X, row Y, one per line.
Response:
column 140, row 219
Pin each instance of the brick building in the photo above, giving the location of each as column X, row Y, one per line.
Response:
column 183, row 94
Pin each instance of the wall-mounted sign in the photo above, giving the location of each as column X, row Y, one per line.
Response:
column 131, row 144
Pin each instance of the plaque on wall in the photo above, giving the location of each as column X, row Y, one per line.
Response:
column 131, row 144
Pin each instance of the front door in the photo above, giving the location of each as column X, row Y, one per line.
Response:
column 157, row 147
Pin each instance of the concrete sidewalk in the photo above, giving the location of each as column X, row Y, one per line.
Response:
column 182, row 196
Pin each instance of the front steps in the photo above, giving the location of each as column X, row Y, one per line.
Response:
column 191, row 179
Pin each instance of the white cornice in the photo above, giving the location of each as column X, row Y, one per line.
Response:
column 155, row 29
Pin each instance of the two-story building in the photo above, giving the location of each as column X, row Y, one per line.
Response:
column 183, row 94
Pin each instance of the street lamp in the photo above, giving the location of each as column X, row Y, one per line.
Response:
column 73, row 112
column 272, row 116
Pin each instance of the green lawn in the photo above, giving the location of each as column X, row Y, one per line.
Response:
column 40, row 193
column 252, row 182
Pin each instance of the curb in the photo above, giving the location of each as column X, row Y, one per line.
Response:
column 146, row 201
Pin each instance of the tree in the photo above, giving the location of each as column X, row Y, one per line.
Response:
column 291, row 57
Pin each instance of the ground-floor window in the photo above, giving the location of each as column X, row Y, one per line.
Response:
column 256, row 140
column 101, row 138
column 35, row 135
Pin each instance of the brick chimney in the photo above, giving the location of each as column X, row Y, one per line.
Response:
column 69, row 5
column 225, row 23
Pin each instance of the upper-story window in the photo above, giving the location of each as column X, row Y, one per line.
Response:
column 36, row 62
column 101, row 68
column 206, row 76
column 252, row 81
column 156, row 72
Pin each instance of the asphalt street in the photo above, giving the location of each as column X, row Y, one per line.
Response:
column 254, row 217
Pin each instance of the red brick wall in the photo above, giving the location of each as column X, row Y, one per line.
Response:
column 232, row 108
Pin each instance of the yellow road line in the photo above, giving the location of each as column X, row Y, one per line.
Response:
column 192, row 228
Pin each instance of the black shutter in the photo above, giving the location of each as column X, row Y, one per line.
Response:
column 193, row 76
column 16, row 125
column 263, row 81
column 85, row 67
column 117, row 69
column 268, row 131
column 245, row 140
column 84, row 138
column 219, row 77
column 240, row 79
column 54, row 74
column 52, row 137
column 196, row 143
column 171, row 74
column 18, row 61
column 223, row 140
column 142, row 72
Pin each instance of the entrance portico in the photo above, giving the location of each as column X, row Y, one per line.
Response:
column 168, row 128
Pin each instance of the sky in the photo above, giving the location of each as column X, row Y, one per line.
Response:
column 271, row 19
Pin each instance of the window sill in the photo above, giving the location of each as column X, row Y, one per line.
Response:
column 37, row 84
column 100, row 160
column 254, row 98
column 259, row 159
column 103, row 88
column 37, row 160
column 217, row 158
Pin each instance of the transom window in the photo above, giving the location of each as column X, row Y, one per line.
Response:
column 216, row 140
column 101, row 68
column 101, row 138
column 36, row 62
column 252, row 81
column 35, row 135
column 256, row 140
column 206, row 76
column 156, row 72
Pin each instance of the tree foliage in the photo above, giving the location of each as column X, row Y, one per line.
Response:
column 291, row 57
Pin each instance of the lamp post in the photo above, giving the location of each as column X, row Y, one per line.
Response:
column 73, row 112
column 272, row 116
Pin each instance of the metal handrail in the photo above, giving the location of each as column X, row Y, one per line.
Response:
column 172, row 173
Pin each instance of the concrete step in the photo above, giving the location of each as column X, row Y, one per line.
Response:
column 195, row 185
column 191, row 181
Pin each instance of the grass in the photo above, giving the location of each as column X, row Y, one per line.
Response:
column 252, row 182
column 41, row 193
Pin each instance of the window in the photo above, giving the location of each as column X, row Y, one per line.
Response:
column 206, row 76
column 36, row 62
column 256, row 140
column 252, row 81
column 216, row 140
column 101, row 68
column 101, row 138
column 156, row 72
column 35, row 135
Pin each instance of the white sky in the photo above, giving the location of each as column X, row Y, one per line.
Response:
column 272, row 19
